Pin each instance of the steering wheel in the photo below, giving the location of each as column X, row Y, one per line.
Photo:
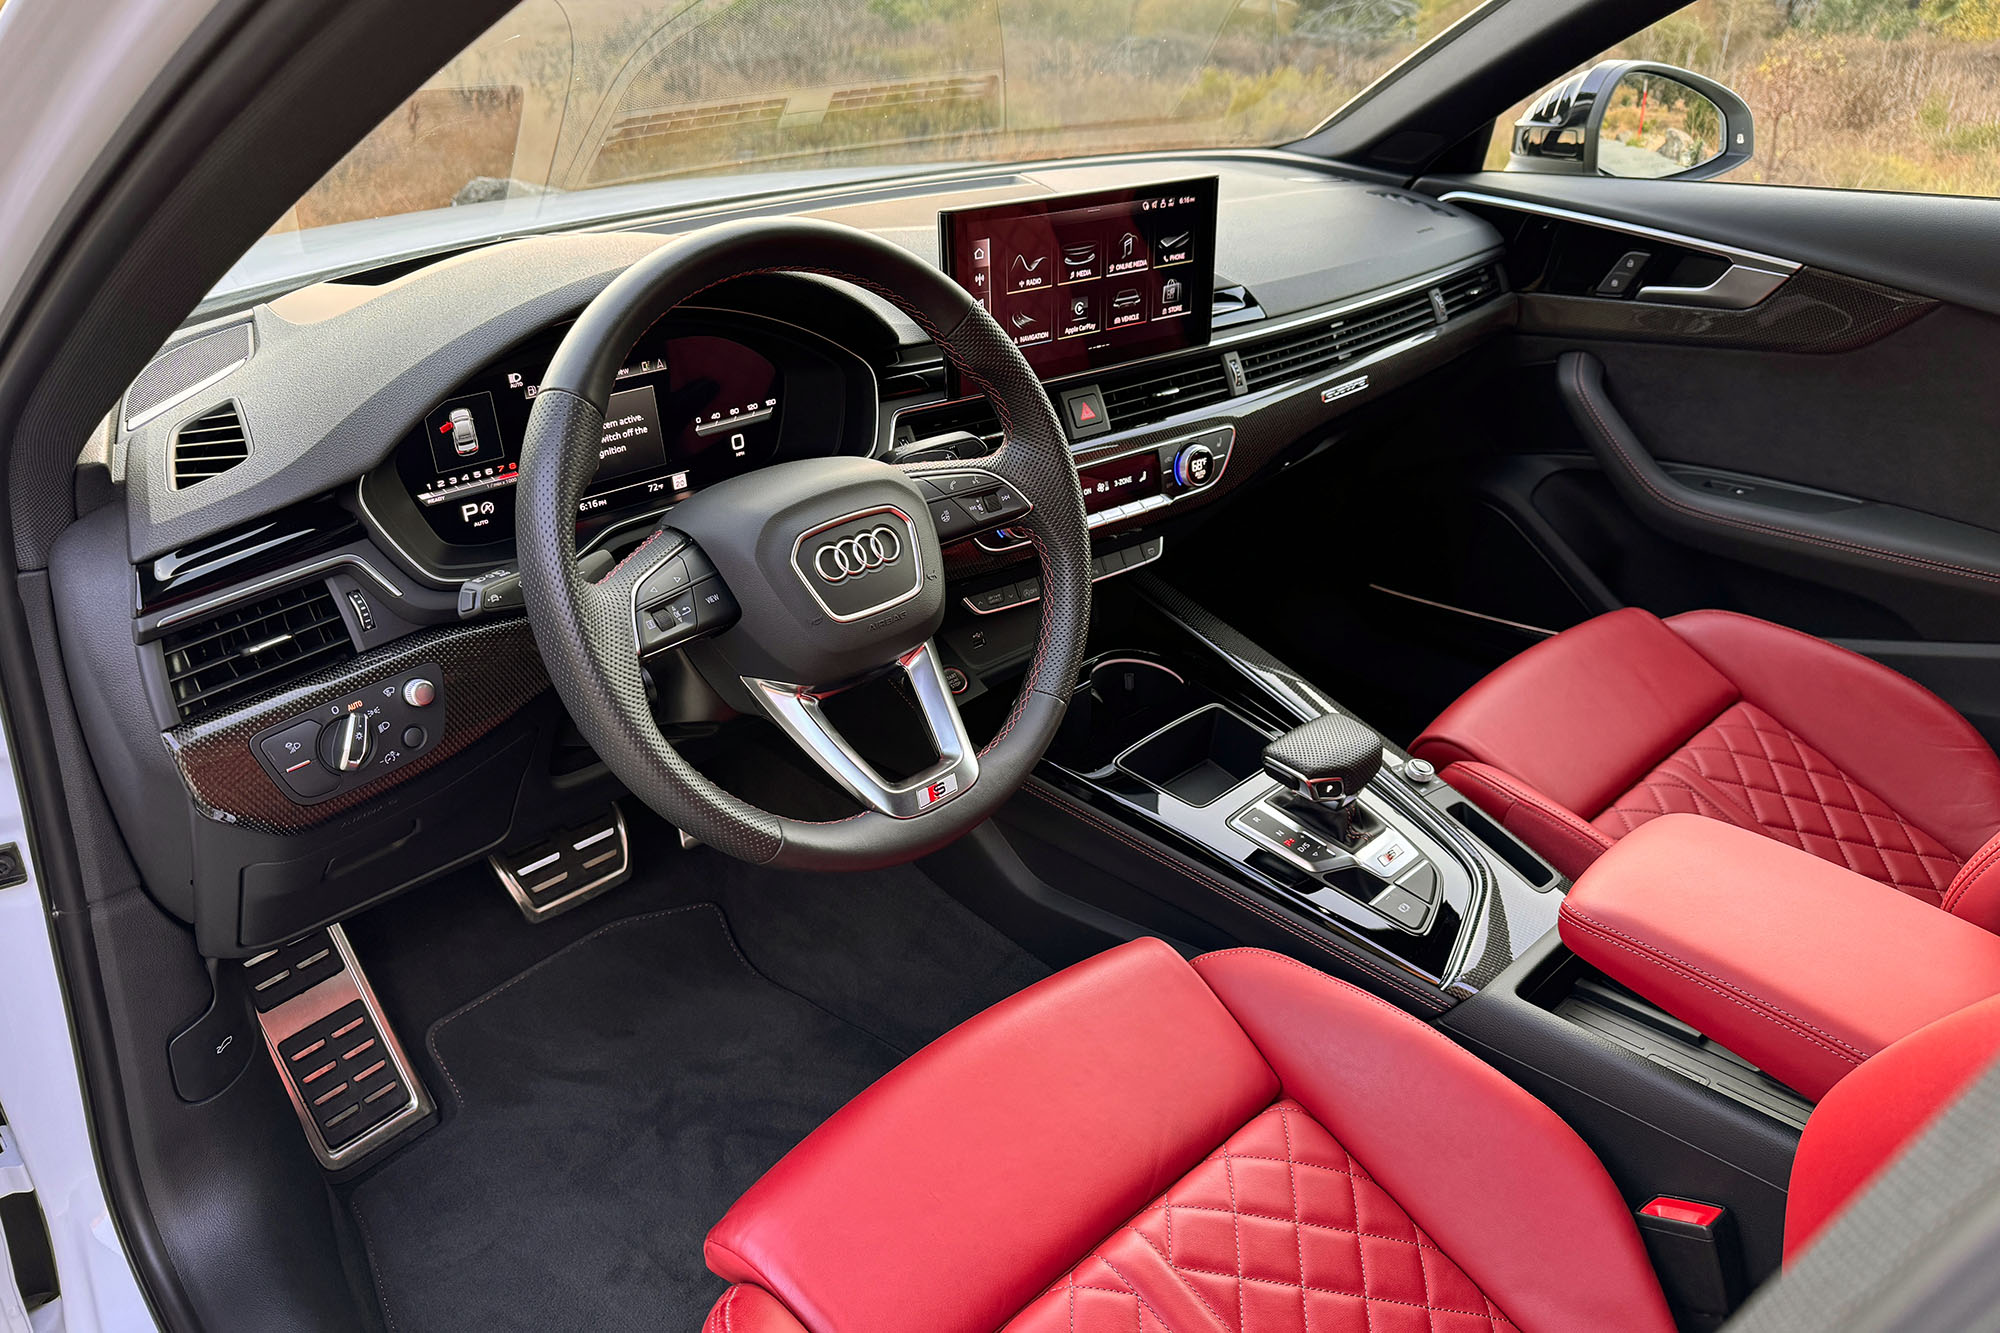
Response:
column 804, row 578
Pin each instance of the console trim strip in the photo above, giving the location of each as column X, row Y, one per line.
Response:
column 263, row 585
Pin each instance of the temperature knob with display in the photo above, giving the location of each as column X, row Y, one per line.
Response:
column 1194, row 466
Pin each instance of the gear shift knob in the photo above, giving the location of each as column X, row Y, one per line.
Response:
column 1328, row 760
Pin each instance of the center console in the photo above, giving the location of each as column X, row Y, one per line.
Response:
column 1202, row 743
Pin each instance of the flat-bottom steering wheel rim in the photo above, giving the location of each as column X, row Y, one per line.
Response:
column 584, row 634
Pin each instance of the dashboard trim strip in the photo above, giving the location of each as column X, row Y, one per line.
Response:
column 262, row 585
column 1735, row 253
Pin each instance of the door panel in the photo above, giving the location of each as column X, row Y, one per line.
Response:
column 1828, row 457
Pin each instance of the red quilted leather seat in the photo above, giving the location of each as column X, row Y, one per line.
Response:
column 1627, row 717
column 1238, row 1145
column 1242, row 1144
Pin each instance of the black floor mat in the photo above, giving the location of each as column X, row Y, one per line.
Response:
column 602, row 1109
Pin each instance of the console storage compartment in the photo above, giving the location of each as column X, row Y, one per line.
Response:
column 1800, row 966
column 1199, row 757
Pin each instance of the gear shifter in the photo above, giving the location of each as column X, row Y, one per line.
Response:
column 1326, row 763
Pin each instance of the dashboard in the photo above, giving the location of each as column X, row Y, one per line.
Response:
column 349, row 558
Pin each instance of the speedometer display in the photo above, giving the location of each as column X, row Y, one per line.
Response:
column 689, row 411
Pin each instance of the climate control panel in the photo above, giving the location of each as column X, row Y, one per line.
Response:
column 370, row 733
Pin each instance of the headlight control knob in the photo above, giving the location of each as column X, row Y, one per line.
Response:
column 343, row 746
column 1194, row 466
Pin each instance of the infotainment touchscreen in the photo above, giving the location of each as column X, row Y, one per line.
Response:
column 1086, row 280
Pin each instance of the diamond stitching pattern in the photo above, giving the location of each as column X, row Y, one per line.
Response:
column 1278, row 1231
column 1748, row 769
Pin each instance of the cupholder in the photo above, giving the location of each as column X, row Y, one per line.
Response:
column 1199, row 757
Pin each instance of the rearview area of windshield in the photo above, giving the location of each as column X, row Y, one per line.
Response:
column 564, row 96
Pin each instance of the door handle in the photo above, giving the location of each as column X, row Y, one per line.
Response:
column 1740, row 287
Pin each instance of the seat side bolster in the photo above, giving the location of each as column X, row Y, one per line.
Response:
column 1495, row 1178
column 1583, row 716
column 1561, row 836
column 745, row 1309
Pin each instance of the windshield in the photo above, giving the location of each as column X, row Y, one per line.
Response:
column 569, row 97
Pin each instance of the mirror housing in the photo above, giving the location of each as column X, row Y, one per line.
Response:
column 1563, row 130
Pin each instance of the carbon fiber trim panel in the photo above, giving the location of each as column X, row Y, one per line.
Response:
column 490, row 671
column 1814, row 311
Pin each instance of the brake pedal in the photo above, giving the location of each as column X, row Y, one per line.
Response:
column 339, row 1060
column 576, row 864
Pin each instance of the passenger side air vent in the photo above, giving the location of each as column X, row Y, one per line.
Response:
column 1322, row 346
column 1137, row 402
column 1467, row 290
column 208, row 446
column 249, row 649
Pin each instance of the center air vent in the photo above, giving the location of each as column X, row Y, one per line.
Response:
column 208, row 446
column 1319, row 347
column 1136, row 402
column 249, row 649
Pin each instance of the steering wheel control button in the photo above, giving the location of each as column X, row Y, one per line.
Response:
column 669, row 580
column 1083, row 412
column 495, row 590
column 714, row 607
column 419, row 692
column 294, row 753
column 866, row 563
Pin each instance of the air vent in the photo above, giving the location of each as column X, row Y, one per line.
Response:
column 1464, row 291
column 208, row 446
column 1319, row 347
column 1132, row 403
column 249, row 649
column 973, row 415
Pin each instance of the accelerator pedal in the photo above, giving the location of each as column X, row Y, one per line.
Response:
column 341, row 1064
column 574, row 865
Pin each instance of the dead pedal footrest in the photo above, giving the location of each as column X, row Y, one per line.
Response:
column 575, row 864
column 346, row 1074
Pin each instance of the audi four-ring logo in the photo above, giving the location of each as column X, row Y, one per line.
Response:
column 851, row 557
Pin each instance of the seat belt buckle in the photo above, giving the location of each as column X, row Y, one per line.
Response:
column 1695, row 1252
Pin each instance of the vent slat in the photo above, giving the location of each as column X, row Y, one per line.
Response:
column 208, row 446
column 1315, row 349
column 293, row 632
column 1159, row 396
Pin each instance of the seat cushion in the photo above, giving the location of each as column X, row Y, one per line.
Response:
column 1244, row 1145
column 1627, row 717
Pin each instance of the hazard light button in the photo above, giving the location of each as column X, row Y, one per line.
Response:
column 1083, row 412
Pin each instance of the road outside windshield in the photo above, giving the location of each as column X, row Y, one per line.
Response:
column 581, row 95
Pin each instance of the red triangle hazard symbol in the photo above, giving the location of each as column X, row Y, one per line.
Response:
column 1084, row 415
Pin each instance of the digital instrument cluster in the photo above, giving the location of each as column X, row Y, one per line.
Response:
column 689, row 410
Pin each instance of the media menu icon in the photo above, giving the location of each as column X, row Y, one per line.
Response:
column 1082, row 260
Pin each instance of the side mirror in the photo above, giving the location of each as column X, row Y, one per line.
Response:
column 1634, row 118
